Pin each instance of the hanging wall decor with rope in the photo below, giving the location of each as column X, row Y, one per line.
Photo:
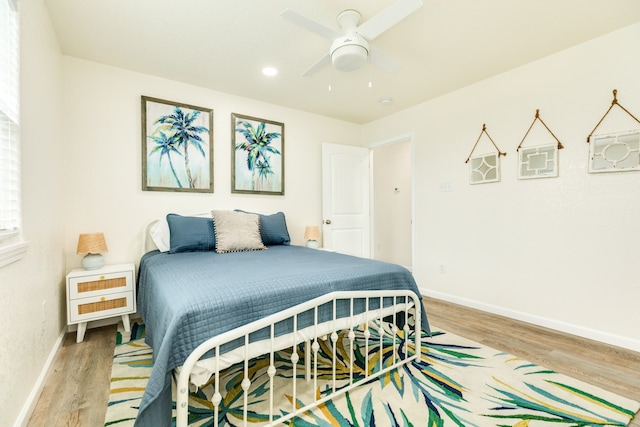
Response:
column 617, row 151
column 540, row 161
column 484, row 168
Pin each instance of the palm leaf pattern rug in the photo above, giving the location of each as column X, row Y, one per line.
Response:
column 457, row 382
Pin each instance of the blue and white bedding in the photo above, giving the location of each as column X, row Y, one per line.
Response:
column 185, row 298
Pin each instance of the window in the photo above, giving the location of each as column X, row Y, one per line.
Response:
column 11, row 246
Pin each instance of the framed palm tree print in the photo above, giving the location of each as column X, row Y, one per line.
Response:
column 257, row 155
column 177, row 147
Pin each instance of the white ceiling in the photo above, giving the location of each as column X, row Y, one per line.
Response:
column 224, row 44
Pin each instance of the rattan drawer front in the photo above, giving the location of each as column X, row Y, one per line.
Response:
column 95, row 285
column 93, row 307
column 101, row 285
column 85, row 309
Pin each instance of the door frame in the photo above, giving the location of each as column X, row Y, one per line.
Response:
column 377, row 144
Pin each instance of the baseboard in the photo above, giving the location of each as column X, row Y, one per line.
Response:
column 604, row 337
column 32, row 400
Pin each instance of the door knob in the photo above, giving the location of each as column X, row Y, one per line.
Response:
column 328, row 222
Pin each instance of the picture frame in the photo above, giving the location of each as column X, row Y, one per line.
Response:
column 484, row 168
column 177, row 146
column 537, row 162
column 257, row 155
column 615, row 152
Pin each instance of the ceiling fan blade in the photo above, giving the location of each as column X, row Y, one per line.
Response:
column 389, row 17
column 310, row 25
column 382, row 60
column 324, row 61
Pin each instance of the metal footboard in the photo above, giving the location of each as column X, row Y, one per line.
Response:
column 310, row 321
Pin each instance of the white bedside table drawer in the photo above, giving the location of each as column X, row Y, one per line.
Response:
column 100, row 284
column 99, row 307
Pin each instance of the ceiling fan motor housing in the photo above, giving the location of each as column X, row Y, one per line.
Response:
column 350, row 52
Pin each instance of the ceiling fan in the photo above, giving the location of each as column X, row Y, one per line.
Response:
column 351, row 49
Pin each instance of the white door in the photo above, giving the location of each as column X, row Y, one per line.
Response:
column 345, row 199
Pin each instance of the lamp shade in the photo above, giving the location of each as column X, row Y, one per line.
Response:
column 91, row 243
column 312, row 232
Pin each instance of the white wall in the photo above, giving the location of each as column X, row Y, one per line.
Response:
column 559, row 251
column 103, row 138
column 27, row 339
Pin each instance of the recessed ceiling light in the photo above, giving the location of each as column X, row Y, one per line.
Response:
column 269, row 71
column 385, row 101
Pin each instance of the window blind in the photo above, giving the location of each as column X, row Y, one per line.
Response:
column 10, row 216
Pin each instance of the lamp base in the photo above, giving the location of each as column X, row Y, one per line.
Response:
column 312, row 244
column 92, row 261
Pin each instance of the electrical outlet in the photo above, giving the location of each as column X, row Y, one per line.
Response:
column 442, row 268
column 445, row 186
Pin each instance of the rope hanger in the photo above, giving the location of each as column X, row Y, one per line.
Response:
column 560, row 146
column 484, row 131
column 614, row 102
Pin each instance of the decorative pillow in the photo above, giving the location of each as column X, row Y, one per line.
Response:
column 161, row 235
column 237, row 231
column 273, row 229
column 190, row 233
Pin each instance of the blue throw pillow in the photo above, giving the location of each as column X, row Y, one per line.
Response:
column 273, row 229
column 190, row 233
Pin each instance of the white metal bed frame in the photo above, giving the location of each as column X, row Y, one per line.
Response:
column 394, row 303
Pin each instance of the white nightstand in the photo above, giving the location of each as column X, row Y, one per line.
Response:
column 99, row 294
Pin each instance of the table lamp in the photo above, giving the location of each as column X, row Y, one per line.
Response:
column 92, row 244
column 312, row 235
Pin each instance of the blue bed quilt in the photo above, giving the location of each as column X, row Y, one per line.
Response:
column 186, row 298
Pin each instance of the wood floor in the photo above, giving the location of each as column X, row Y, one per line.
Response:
column 611, row 368
column 77, row 390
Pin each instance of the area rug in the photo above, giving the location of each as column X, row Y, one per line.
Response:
column 457, row 382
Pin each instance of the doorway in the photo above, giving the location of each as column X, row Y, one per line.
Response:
column 392, row 201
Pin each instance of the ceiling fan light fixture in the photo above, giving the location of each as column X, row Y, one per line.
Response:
column 349, row 53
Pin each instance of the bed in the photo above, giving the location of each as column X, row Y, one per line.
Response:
column 202, row 287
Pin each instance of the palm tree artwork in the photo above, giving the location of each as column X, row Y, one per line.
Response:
column 258, row 160
column 165, row 146
column 179, row 147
